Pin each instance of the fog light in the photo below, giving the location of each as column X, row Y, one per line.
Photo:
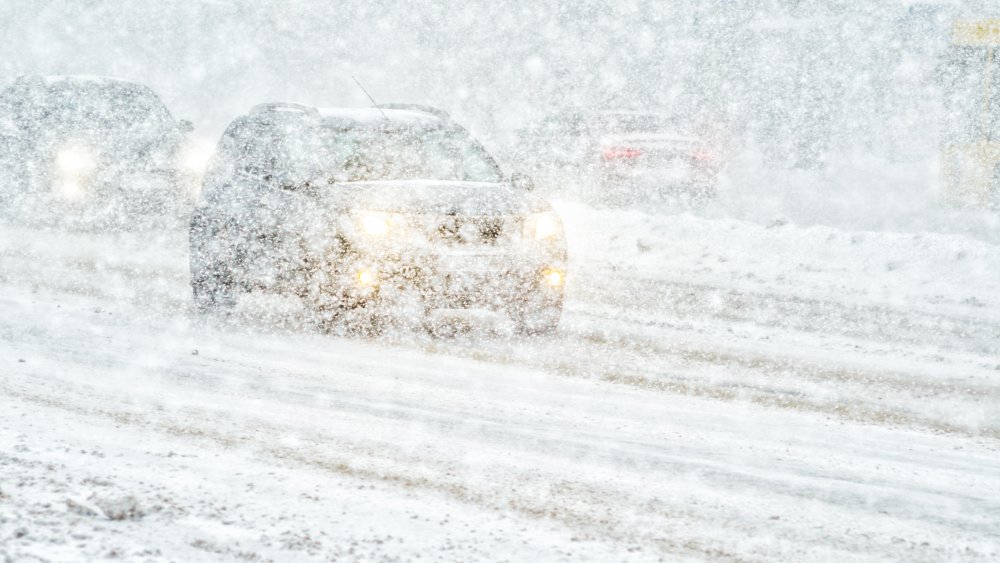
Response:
column 375, row 225
column 366, row 277
column 69, row 189
column 554, row 278
column 540, row 226
column 76, row 161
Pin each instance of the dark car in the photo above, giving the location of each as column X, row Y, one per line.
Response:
column 369, row 214
column 621, row 157
column 98, row 145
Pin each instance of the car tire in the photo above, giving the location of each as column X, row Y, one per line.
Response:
column 214, row 294
column 538, row 322
column 360, row 321
column 538, row 315
column 212, row 286
column 700, row 195
column 993, row 197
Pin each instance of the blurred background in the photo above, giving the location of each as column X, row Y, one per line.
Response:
column 834, row 107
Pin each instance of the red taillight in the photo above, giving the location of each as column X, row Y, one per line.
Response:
column 622, row 153
column 704, row 155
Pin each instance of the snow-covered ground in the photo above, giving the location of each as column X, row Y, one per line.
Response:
column 719, row 389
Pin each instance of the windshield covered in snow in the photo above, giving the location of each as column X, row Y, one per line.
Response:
column 301, row 149
column 409, row 154
column 71, row 106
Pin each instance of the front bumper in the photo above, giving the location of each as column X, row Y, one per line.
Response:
column 452, row 280
column 134, row 190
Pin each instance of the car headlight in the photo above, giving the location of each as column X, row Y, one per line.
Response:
column 541, row 226
column 554, row 277
column 195, row 156
column 379, row 224
column 76, row 161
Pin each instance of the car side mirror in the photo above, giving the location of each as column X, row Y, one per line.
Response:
column 288, row 182
column 522, row 181
column 185, row 125
column 300, row 180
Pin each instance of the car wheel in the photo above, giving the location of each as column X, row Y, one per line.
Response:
column 615, row 192
column 360, row 321
column 538, row 315
column 700, row 195
column 212, row 285
column 993, row 197
column 538, row 322
column 214, row 293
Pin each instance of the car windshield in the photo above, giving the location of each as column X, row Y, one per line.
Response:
column 361, row 155
column 84, row 107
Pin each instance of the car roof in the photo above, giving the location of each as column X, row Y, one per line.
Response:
column 613, row 113
column 79, row 80
column 629, row 113
column 374, row 118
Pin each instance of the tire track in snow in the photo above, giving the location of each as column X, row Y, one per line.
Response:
column 639, row 361
column 593, row 510
column 607, row 364
column 637, row 297
column 560, row 503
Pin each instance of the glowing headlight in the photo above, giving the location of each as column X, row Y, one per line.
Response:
column 374, row 224
column 76, row 161
column 367, row 276
column 541, row 226
column 195, row 156
column 378, row 224
column 554, row 278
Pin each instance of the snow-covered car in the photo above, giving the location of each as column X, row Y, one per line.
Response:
column 371, row 215
column 620, row 157
column 92, row 146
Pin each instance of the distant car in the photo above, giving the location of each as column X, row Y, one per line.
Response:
column 100, row 144
column 364, row 213
column 620, row 157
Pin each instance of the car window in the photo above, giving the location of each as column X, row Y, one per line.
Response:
column 633, row 123
column 235, row 137
column 246, row 147
column 362, row 154
column 264, row 148
column 562, row 125
column 72, row 106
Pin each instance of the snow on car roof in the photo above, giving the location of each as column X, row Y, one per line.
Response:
column 373, row 117
column 631, row 113
column 77, row 82
column 88, row 79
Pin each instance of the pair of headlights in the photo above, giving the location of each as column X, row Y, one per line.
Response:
column 537, row 226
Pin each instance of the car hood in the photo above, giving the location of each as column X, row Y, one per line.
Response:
column 432, row 197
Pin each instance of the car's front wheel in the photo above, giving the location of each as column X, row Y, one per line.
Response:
column 538, row 314
column 993, row 195
column 356, row 321
column 212, row 284
column 214, row 293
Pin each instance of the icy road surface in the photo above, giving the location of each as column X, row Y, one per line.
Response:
column 719, row 390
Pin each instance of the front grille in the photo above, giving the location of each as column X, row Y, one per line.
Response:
column 470, row 230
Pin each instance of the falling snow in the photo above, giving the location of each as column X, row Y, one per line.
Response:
column 517, row 281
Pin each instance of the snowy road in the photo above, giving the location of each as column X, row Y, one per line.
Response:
column 718, row 391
